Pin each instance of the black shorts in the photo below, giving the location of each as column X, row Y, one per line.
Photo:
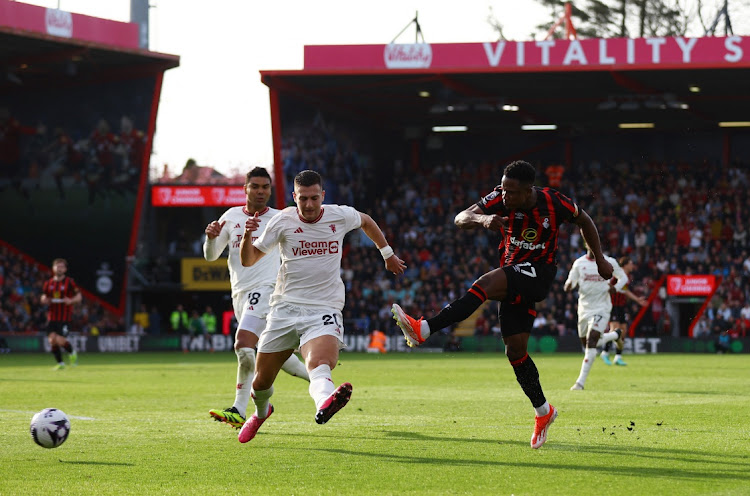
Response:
column 618, row 314
column 528, row 283
column 61, row 328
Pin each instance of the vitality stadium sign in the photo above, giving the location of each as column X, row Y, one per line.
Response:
column 589, row 54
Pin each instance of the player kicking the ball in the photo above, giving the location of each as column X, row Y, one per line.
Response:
column 533, row 217
column 309, row 294
column 251, row 288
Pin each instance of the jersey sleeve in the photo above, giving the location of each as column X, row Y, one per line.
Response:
column 492, row 202
column 72, row 287
column 566, row 209
column 271, row 235
column 573, row 276
column 352, row 218
column 213, row 248
column 622, row 277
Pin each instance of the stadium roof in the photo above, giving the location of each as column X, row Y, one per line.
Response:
column 580, row 86
column 41, row 47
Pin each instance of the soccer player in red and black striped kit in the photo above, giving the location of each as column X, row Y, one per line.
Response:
column 617, row 317
column 60, row 292
column 530, row 217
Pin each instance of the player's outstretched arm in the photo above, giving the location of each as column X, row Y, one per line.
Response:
column 638, row 299
column 249, row 254
column 372, row 230
column 591, row 235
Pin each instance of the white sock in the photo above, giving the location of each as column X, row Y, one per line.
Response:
column 618, row 357
column 543, row 410
column 424, row 329
column 321, row 384
column 294, row 367
column 588, row 361
column 607, row 337
column 605, row 353
column 260, row 398
column 245, row 373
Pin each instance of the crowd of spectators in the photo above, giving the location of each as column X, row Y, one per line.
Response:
column 670, row 218
column 99, row 159
column 21, row 281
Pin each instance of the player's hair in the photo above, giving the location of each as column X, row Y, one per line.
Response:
column 623, row 261
column 257, row 172
column 59, row 260
column 521, row 170
column 308, row 178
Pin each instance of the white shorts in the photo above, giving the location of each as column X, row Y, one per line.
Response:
column 254, row 302
column 289, row 327
column 595, row 322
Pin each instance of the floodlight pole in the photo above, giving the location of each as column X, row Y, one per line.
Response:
column 418, row 33
column 566, row 18
column 139, row 12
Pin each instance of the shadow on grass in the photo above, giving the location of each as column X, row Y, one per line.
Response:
column 627, row 471
column 98, row 463
column 628, row 450
column 738, row 470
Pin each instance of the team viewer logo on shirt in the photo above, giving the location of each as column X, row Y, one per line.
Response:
column 315, row 248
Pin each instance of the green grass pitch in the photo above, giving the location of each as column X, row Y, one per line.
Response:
column 416, row 424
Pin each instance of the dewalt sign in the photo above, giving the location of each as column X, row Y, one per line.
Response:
column 198, row 274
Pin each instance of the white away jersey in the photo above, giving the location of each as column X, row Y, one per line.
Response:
column 593, row 290
column 243, row 278
column 310, row 271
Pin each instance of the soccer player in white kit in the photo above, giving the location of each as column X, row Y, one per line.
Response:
column 594, row 307
column 309, row 294
column 251, row 288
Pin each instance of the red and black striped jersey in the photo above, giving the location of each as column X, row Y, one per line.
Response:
column 618, row 299
column 531, row 235
column 56, row 291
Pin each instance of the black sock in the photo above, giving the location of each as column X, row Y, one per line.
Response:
column 607, row 346
column 68, row 347
column 58, row 354
column 459, row 310
column 528, row 377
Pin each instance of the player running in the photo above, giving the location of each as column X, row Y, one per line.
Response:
column 594, row 306
column 309, row 295
column 617, row 319
column 60, row 292
column 533, row 216
column 251, row 288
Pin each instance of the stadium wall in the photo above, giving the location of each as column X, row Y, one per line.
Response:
column 132, row 343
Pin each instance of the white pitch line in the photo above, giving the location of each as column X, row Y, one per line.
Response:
column 32, row 413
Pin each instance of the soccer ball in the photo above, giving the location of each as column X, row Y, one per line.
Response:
column 50, row 428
